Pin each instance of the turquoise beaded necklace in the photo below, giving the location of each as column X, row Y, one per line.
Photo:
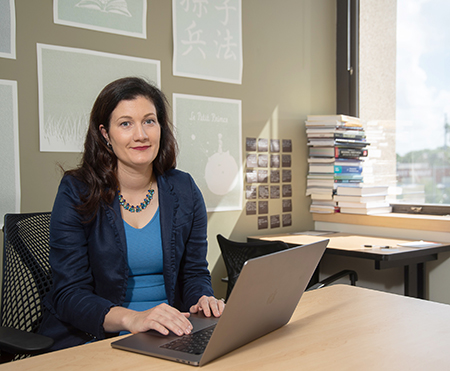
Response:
column 137, row 208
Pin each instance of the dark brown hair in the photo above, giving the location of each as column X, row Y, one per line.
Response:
column 99, row 163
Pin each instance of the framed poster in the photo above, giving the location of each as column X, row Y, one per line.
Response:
column 122, row 17
column 7, row 29
column 208, row 131
column 207, row 39
column 69, row 81
column 9, row 149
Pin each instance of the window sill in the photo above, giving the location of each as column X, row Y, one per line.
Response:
column 435, row 223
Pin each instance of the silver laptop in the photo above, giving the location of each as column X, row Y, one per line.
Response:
column 263, row 300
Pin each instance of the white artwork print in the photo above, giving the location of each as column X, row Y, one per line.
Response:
column 123, row 17
column 9, row 149
column 7, row 29
column 208, row 39
column 106, row 6
column 69, row 81
column 208, row 131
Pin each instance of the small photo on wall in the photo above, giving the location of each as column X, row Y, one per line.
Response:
column 287, row 205
column 263, row 192
column 250, row 144
column 287, row 220
column 263, row 222
column 274, row 191
column 251, row 160
column 287, row 176
column 275, row 176
column 263, row 145
column 262, row 176
column 263, row 161
column 251, row 192
column 274, row 145
column 287, row 190
column 275, row 161
column 251, row 208
column 251, row 176
column 263, row 207
column 286, row 160
column 274, row 221
column 287, row 145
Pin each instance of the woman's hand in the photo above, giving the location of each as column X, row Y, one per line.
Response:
column 209, row 305
column 162, row 318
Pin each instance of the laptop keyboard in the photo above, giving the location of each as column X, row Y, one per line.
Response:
column 194, row 343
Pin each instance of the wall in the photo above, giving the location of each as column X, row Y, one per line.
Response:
column 289, row 72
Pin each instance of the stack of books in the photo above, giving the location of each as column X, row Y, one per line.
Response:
column 362, row 198
column 337, row 148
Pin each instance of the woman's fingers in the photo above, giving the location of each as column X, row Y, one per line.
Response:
column 209, row 305
column 163, row 318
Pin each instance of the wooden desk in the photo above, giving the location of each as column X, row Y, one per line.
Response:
column 334, row 328
column 411, row 259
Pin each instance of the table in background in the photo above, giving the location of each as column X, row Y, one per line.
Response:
column 412, row 259
column 339, row 327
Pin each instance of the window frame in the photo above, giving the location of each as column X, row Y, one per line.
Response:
column 347, row 57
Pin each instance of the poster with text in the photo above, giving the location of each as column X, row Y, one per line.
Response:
column 208, row 132
column 7, row 29
column 69, row 81
column 9, row 149
column 123, row 17
column 208, row 39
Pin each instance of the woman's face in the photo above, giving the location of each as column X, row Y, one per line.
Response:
column 134, row 133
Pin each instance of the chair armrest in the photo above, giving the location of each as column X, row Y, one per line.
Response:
column 22, row 342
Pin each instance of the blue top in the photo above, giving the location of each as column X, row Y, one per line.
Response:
column 146, row 287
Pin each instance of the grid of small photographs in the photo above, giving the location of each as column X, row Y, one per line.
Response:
column 268, row 180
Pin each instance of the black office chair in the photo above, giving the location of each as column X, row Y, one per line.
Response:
column 235, row 254
column 26, row 280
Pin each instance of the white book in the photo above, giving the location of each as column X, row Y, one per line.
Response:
column 372, row 211
column 361, row 189
column 361, row 199
column 322, row 196
column 321, row 209
column 319, row 190
column 366, row 205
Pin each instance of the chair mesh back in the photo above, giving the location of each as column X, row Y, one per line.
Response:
column 235, row 254
column 26, row 269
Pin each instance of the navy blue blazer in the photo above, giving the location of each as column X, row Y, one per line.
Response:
column 89, row 260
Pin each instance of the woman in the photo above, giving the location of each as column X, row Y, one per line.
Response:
column 128, row 231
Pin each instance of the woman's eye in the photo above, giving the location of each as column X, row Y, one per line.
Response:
column 150, row 121
column 125, row 124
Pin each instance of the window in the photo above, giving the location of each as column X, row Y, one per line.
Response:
column 423, row 101
column 403, row 95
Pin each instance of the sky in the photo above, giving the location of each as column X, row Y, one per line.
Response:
column 423, row 73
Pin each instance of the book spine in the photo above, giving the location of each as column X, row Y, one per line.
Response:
column 340, row 152
column 338, row 169
column 356, row 180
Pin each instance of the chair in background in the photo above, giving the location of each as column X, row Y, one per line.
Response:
column 235, row 254
column 26, row 281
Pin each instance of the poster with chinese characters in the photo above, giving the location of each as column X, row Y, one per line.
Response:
column 208, row 131
column 7, row 29
column 69, row 81
column 122, row 17
column 9, row 149
column 208, row 39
